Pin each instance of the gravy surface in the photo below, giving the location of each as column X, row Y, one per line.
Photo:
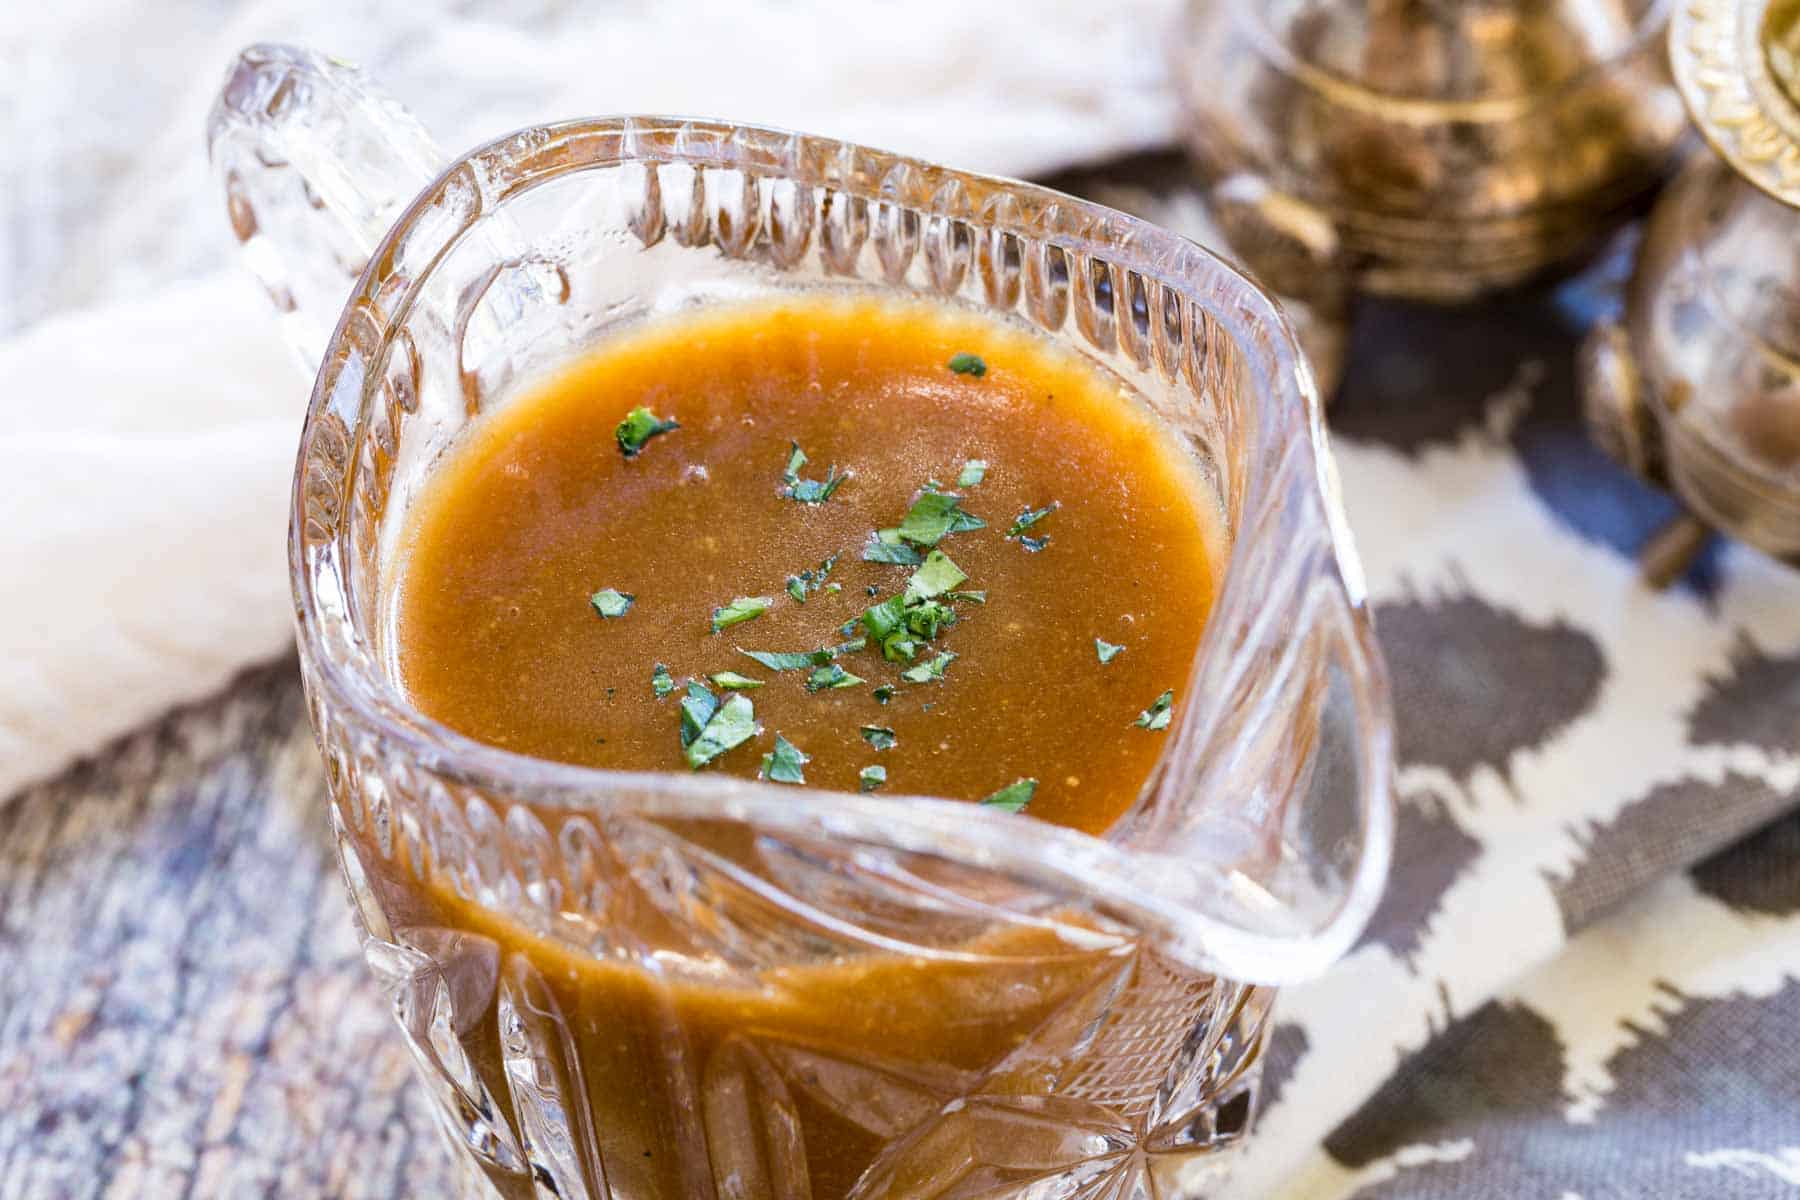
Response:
column 496, row 634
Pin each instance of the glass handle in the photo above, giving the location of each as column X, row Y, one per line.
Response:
column 317, row 163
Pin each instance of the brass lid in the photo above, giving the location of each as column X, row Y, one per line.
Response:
column 1737, row 63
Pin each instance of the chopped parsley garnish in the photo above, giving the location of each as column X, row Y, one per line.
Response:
column 731, row 681
column 811, row 581
column 935, row 576
column 899, row 623
column 697, row 708
column 968, row 364
column 933, row 515
column 885, row 618
column 744, row 608
column 896, row 552
column 973, row 472
column 830, row 676
column 879, row 736
column 925, row 618
column 661, row 682
column 883, row 694
column 899, row 647
column 927, row 671
column 870, row 778
column 612, row 603
column 850, row 647
column 1030, row 517
column 638, row 427
column 973, row 597
column 783, row 764
column 1157, row 715
column 1107, row 651
column 731, row 724
column 1013, row 797
column 797, row 660
column 1034, row 544
column 808, row 491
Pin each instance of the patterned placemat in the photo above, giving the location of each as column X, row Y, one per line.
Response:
column 1572, row 988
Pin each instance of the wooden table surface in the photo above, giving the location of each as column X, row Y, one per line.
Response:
column 183, row 1009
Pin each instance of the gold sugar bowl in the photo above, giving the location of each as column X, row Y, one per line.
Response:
column 1698, row 387
column 1432, row 149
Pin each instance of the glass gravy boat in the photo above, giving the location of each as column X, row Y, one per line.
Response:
column 648, row 985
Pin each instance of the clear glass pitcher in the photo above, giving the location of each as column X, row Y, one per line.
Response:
column 648, row 985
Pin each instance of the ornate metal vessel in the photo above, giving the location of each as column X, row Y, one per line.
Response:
column 1698, row 388
column 1435, row 149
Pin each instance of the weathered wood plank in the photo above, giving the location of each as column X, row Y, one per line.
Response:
column 183, row 1009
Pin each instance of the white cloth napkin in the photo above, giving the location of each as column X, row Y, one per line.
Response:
column 148, row 431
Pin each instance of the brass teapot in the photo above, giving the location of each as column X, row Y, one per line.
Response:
column 1698, row 388
column 1432, row 149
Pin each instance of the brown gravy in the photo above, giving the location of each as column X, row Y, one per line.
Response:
column 497, row 637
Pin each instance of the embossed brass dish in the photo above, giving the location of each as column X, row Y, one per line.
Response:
column 1434, row 149
column 1698, row 388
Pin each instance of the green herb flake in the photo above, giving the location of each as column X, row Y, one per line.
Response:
column 850, row 647
column 783, row 764
column 968, row 364
column 612, row 603
column 744, row 608
column 883, row 694
column 733, row 724
column 1034, row 544
column 798, row 586
column 935, row 576
column 661, row 682
column 870, row 778
column 928, row 671
column 1030, row 517
column 808, row 491
column 830, row 676
column 834, row 587
column 796, row 460
column 972, row 597
column 927, row 617
column 885, row 618
column 731, row 681
column 1157, row 715
column 1107, row 651
column 638, row 427
column 816, row 491
column 788, row 660
column 899, row 646
column 935, row 514
column 1013, row 797
column 697, row 708
column 879, row 736
column 896, row 553
column 973, row 472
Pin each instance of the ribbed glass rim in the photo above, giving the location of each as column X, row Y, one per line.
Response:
column 356, row 692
